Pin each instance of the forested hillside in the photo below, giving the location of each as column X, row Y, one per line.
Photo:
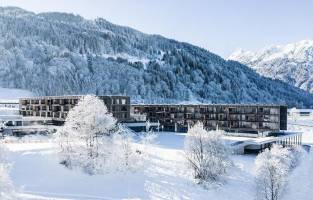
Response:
column 59, row 53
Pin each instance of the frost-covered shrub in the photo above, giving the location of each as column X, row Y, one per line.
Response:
column 148, row 138
column 296, row 155
column 272, row 170
column 125, row 154
column 91, row 140
column 206, row 154
column 83, row 139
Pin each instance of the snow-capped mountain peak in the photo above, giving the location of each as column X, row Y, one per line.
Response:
column 291, row 63
column 299, row 51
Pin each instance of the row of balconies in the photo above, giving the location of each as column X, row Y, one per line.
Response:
column 240, row 110
column 49, row 101
column 63, row 114
column 67, row 107
column 45, row 114
column 220, row 117
column 73, row 101
column 54, row 108
column 234, row 124
column 225, row 125
column 205, row 113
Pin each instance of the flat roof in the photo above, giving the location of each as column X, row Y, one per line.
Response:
column 259, row 140
column 8, row 101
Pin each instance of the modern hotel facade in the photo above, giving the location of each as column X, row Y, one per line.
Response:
column 56, row 108
column 250, row 119
column 259, row 126
column 233, row 118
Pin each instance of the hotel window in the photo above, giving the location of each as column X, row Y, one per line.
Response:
column 273, row 125
column 232, row 110
column 266, row 111
column 254, row 125
column 274, row 111
column 66, row 108
column 190, row 109
column 124, row 108
column 123, row 101
column 198, row 115
column 274, row 118
column 266, row 118
column 246, row 124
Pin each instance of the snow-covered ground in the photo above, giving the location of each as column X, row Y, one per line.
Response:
column 37, row 174
column 35, row 171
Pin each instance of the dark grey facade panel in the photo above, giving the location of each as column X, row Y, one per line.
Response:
column 283, row 117
column 229, row 117
column 232, row 117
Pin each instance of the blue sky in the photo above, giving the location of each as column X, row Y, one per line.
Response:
column 220, row 26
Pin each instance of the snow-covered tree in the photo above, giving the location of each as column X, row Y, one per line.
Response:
column 92, row 140
column 6, row 188
column 296, row 156
column 81, row 139
column 125, row 155
column 206, row 153
column 272, row 169
column 147, row 142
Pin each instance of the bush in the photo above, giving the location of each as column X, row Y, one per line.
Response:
column 206, row 154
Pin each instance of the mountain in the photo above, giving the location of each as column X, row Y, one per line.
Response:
column 291, row 63
column 59, row 53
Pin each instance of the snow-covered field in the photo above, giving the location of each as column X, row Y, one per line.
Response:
column 36, row 171
column 37, row 174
